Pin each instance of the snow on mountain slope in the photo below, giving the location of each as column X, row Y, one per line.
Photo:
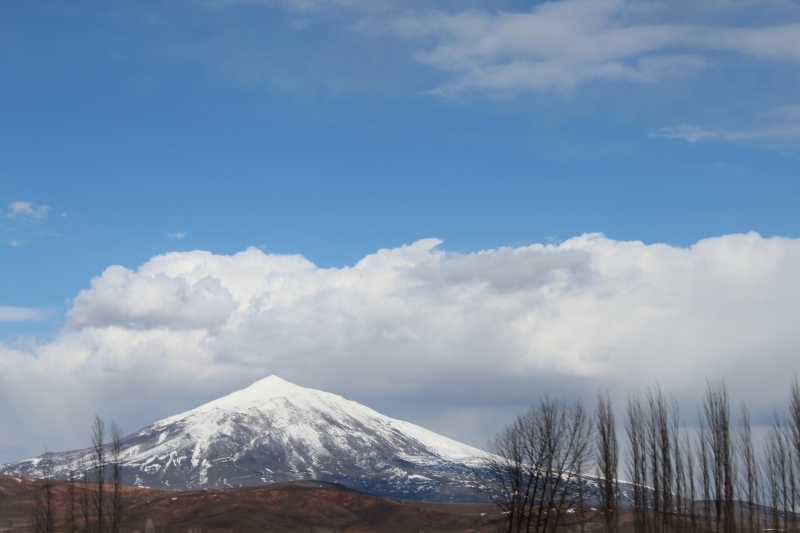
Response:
column 313, row 417
column 276, row 431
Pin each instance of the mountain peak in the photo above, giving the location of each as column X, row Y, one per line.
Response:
column 270, row 393
column 275, row 430
column 273, row 381
column 270, row 387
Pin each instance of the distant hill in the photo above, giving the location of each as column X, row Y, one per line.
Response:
column 281, row 507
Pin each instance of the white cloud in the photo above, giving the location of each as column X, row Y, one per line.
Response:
column 779, row 126
column 121, row 298
column 178, row 235
column 27, row 211
column 561, row 44
column 369, row 5
column 306, row 5
column 553, row 45
column 467, row 335
column 15, row 314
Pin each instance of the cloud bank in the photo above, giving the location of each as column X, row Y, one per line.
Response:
column 466, row 336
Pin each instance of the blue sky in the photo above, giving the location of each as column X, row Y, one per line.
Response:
column 225, row 122
column 332, row 129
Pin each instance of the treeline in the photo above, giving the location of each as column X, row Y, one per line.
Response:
column 556, row 467
column 93, row 490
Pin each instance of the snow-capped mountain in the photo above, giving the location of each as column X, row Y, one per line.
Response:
column 276, row 431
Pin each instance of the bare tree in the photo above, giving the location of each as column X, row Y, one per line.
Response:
column 653, row 457
column 85, row 498
column 607, row 457
column 506, row 484
column 794, row 410
column 749, row 479
column 535, row 465
column 659, row 456
column 716, row 419
column 581, row 429
column 679, row 464
column 777, row 455
column 72, row 496
column 704, row 459
column 43, row 508
column 116, row 477
column 791, row 472
column 794, row 431
column 691, row 479
column 99, row 470
column 637, row 461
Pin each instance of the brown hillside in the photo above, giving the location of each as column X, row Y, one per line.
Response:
column 281, row 507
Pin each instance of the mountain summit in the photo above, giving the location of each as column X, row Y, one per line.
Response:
column 276, row 431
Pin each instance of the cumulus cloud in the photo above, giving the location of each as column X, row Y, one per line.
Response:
column 121, row 298
column 27, row 211
column 561, row 44
column 466, row 336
